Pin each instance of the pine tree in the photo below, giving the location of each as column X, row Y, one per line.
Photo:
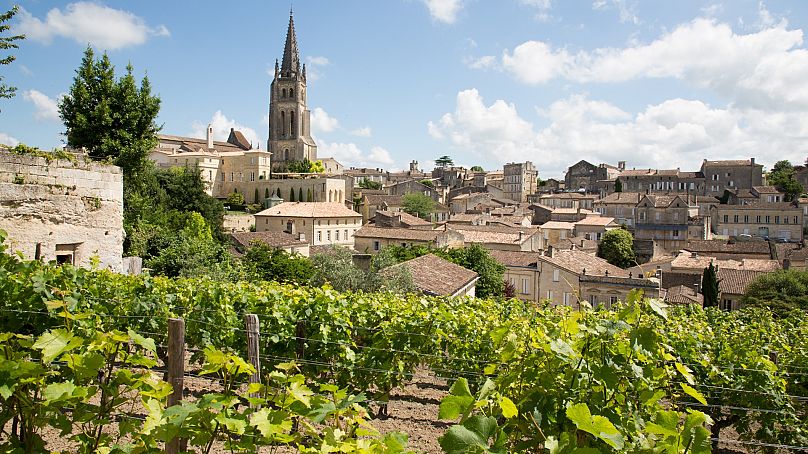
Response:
column 7, row 42
column 709, row 286
column 111, row 119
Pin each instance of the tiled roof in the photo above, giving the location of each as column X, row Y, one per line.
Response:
column 514, row 258
column 621, row 198
column 436, row 276
column 688, row 262
column 310, row 210
column 572, row 211
column 661, row 201
column 634, row 282
column 729, row 163
column 766, row 189
column 567, row 195
column 494, row 234
column 637, row 172
column 464, row 217
column 194, row 144
column 406, row 218
column 676, row 278
column 735, row 281
column 378, row 199
column 272, row 239
column 577, row 261
column 759, row 206
column 682, row 294
column 576, row 242
column 721, row 246
column 368, row 231
column 596, row 220
column 557, row 225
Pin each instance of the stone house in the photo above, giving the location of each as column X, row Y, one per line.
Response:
column 663, row 219
column 292, row 244
column 63, row 210
column 662, row 181
column 519, row 180
column 732, row 285
column 501, row 237
column 435, row 276
column 400, row 219
column 554, row 231
column 411, row 186
column 766, row 220
column 584, row 175
column 372, row 239
column 731, row 174
column 371, row 203
column 619, row 205
column 594, row 227
column 541, row 214
column 571, row 214
column 568, row 277
column 332, row 166
column 568, row 200
column 521, row 271
column 322, row 223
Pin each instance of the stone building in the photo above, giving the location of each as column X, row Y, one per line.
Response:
column 316, row 222
column 766, row 220
column 619, row 205
column 289, row 117
column 70, row 211
column 731, row 174
column 585, row 176
column 661, row 181
column 435, row 276
column 519, row 180
column 663, row 219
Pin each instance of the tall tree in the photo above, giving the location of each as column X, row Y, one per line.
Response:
column 418, row 204
column 709, row 286
column 782, row 177
column 617, row 248
column 112, row 119
column 8, row 42
column 782, row 292
column 444, row 161
column 618, row 185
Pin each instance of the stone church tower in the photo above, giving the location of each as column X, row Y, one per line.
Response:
column 289, row 117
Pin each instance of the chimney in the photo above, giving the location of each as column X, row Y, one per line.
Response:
column 550, row 251
column 752, row 160
column 584, row 272
column 210, row 136
column 607, row 273
column 301, row 236
column 521, row 236
column 694, row 255
column 621, row 165
column 582, row 243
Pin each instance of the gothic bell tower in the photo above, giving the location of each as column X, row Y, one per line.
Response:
column 289, row 116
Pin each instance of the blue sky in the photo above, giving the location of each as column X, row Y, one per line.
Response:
column 657, row 84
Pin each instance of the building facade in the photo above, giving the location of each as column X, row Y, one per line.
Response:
column 766, row 220
column 519, row 180
column 731, row 174
column 319, row 223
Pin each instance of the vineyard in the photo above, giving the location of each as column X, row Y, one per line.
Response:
column 84, row 354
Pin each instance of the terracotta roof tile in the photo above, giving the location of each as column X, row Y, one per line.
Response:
column 272, row 239
column 310, row 210
column 720, row 246
column 621, row 198
column 434, row 275
column 735, row 282
column 514, row 258
column 368, row 231
column 577, row 261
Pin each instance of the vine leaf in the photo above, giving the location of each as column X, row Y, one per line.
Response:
column 598, row 426
column 690, row 391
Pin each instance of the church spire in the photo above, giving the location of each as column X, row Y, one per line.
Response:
column 291, row 57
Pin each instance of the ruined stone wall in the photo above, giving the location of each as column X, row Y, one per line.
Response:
column 61, row 209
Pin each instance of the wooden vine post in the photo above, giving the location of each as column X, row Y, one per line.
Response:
column 176, row 371
column 253, row 350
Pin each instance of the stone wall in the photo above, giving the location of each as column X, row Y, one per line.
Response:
column 62, row 210
column 238, row 222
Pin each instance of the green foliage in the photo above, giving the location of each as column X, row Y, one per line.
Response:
column 113, row 119
column 305, row 166
column 444, row 161
column 300, row 195
column 782, row 292
column 427, row 182
column 336, row 269
column 617, row 248
column 8, row 42
column 235, row 198
column 364, row 183
column 618, row 185
column 308, row 195
column 292, row 195
column 477, row 169
column 266, row 263
column 782, row 177
column 418, row 204
column 709, row 286
column 257, row 196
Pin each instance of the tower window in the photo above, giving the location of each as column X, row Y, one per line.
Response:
column 291, row 92
column 283, row 93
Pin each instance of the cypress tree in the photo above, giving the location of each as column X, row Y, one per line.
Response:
column 278, row 193
column 300, row 195
column 266, row 193
column 709, row 286
column 618, row 185
column 308, row 195
column 257, row 196
column 292, row 195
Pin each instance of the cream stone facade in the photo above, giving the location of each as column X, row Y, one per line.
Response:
column 766, row 220
column 320, row 223
column 62, row 210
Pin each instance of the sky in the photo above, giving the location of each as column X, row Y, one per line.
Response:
column 654, row 83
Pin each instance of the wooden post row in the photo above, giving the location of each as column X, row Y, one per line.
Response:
column 176, row 371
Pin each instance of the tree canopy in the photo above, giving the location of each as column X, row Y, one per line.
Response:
column 112, row 119
column 782, row 291
column 709, row 286
column 444, row 161
column 617, row 248
column 8, row 42
column 418, row 204
column 782, row 177
column 364, row 183
column 267, row 263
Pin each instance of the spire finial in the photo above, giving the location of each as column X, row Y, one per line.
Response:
column 291, row 58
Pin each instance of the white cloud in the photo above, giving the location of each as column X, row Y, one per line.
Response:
column 46, row 108
column 765, row 69
column 484, row 62
column 349, row 154
column 90, row 22
column 6, row 139
column 221, row 129
column 627, row 11
column 543, row 8
column 362, row 132
column 313, row 67
column 26, row 70
column 322, row 122
column 317, row 61
column 675, row 133
column 444, row 10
